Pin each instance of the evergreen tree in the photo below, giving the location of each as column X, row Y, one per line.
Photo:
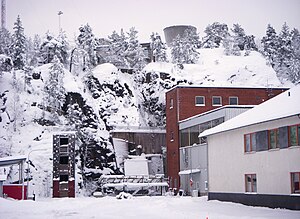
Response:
column 191, row 43
column 54, row 89
column 158, row 48
column 117, row 47
column 134, row 54
column 177, row 51
column 215, row 34
column 51, row 47
column 231, row 47
column 5, row 42
column 88, row 43
column 19, row 45
column 285, row 50
column 64, row 47
column 239, row 36
column 34, row 56
column 270, row 45
column 250, row 44
column 184, row 49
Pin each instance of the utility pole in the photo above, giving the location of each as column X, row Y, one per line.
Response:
column 59, row 24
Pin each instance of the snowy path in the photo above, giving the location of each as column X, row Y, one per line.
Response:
column 138, row 207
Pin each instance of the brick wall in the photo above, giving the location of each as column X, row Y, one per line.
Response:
column 183, row 99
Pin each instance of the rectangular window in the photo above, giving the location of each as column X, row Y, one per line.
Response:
column 273, row 139
column 200, row 101
column 262, row 141
column 171, row 103
column 294, row 135
column 216, row 101
column 247, row 143
column 63, row 178
column 63, row 160
column 233, row 100
column 194, row 133
column 250, row 142
column 63, row 141
column 250, row 183
column 295, row 179
column 184, row 137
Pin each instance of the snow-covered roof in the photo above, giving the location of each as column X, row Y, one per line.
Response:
column 186, row 172
column 5, row 161
column 284, row 105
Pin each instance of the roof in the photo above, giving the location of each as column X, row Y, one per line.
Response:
column 6, row 161
column 283, row 105
column 226, row 87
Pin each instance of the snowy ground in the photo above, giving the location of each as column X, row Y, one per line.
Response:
column 137, row 207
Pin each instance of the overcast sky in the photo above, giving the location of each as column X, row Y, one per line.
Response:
column 147, row 16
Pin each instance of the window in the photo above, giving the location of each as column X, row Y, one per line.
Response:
column 250, row 142
column 273, row 139
column 250, row 183
column 200, row 101
column 171, row 103
column 233, row 100
column 295, row 179
column 184, row 138
column 63, row 160
column 63, row 141
column 281, row 137
column 216, row 101
column 63, row 178
column 294, row 133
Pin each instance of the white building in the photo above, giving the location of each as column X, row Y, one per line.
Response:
column 254, row 158
column 193, row 151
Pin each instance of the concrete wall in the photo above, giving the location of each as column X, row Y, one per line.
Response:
column 173, row 31
column 228, row 163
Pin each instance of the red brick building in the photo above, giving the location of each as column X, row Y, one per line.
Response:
column 183, row 102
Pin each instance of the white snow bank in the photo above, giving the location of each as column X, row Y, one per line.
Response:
column 137, row 207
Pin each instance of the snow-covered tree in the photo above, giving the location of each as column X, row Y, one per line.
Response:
column 250, row 44
column 54, row 89
column 5, row 42
column 64, row 47
column 285, row 50
column 18, row 45
column 215, row 34
column 239, row 36
column 231, row 47
column 177, row 51
column 270, row 45
column 184, row 49
column 134, row 54
column 88, row 43
column 117, row 47
column 158, row 48
column 33, row 51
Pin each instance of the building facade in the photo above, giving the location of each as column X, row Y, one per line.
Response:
column 193, row 151
column 254, row 158
column 64, row 165
column 183, row 102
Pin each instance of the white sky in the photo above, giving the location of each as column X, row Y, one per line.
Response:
column 147, row 16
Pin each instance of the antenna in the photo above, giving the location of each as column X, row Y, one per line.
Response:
column 3, row 14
